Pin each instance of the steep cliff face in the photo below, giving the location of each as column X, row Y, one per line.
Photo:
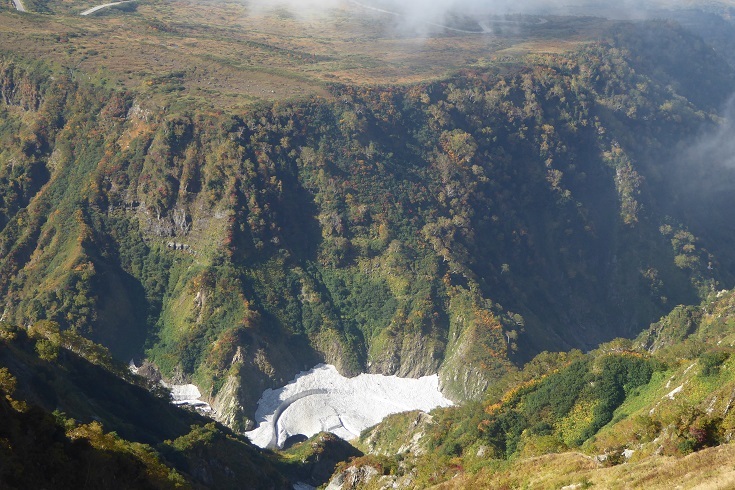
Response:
column 450, row 227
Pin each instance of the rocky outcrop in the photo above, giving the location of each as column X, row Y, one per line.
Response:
column 408, row 355
column 227, row 407
column 353, row 477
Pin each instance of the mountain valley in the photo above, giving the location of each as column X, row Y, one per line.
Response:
column 536, row 208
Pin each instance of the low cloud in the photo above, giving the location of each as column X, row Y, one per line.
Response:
column 420, row 16
column 701, row 171
column 717, row 146
column 418, row 13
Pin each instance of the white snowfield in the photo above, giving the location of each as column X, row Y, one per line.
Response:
column 100, row 7
column 187, row 395
column 180, row 394
column 321, row 399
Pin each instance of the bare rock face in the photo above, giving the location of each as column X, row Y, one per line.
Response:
column 410, row 355
column 353, row 477
column 227, row 408
column 334, row 351
column 410, row 441
column 367, row 476
column 149, row 371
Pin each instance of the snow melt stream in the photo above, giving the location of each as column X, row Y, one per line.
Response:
column 321, row 399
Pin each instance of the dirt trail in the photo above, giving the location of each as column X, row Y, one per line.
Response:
column 19, row 5
column 100, row 7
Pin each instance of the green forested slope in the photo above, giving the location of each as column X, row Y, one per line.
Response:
column 468, row 225
column 454, row 226
column 75, row 418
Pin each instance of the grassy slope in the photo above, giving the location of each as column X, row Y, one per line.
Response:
column 677, row 426
column 223, row 55
column 710, row 468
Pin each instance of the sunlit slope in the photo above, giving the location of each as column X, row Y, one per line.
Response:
column 654, row 412
column 237, row 195
column 453, row 226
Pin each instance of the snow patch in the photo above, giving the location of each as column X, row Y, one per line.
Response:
column 673, row 392
column 180, row 394
column 187, row 395
column 711, row 406
column 573, row 486
column 321, row 399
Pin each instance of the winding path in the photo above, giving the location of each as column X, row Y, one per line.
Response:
column 99, row 7
column 19, row 6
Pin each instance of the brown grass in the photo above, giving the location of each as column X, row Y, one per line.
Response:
column 223, row 56
column 712, row 468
